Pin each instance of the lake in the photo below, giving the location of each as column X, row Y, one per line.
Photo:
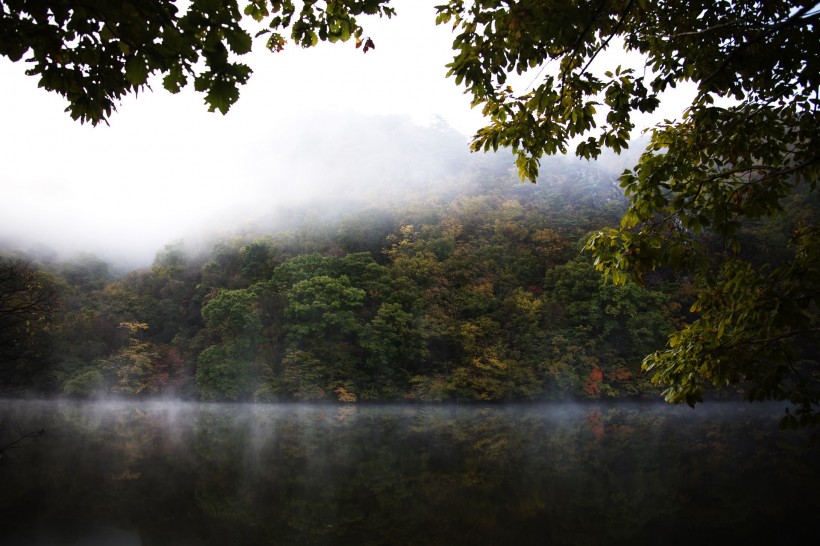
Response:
column 173, row 473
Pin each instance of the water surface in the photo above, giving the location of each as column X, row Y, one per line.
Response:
column 204, row 474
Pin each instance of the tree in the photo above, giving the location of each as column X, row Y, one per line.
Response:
column 233, row 317
column 392, row 340
column 134, row 363
column 95, row 52
column 323, row 307
column 28, row 301
column 304, row 377
column 301, row 268
column 746, row 142
column 85, row 383
column 220, row 375
column 227, row 369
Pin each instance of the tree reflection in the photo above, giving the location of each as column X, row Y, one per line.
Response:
column 288, row 474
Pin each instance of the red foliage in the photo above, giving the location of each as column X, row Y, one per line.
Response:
column 596, row 426
column 596, row 375
column 619, row 374
column 593, row 386
column 169, row 370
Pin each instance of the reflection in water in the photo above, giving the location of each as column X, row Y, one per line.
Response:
column 191, row 474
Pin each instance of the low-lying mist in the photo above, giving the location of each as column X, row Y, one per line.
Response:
column 211, row 474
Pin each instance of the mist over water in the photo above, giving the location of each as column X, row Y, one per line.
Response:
column 190, row 473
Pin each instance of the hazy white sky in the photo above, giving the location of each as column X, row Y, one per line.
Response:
column 166, row 166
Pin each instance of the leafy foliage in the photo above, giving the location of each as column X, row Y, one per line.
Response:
column 222, row 376
column 29, row 301
column 747, row 142
column 86, row 383
column 95, row 52
column 133, row 364
column 745, row 146
column 760, row 55
column 478, row 297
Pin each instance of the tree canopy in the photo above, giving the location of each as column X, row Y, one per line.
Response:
column 94, row 52
column 28, row 299
column 746, row 144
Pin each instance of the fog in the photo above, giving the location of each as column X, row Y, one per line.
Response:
column 128, row 206
column 166, row 168
column 201, row 474
column 329, row 123
column 124, row 204
column 347, row 159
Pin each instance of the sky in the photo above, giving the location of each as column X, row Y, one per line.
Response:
column 166, row 168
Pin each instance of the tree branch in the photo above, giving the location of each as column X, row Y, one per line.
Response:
column 784, row 336
column 704, row 30
column 16, row 444
column 614, row 32
column 772, row 171
column 762, row 36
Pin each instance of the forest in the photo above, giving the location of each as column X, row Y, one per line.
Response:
column 473, row 290
column 365, row 337
column 701, row 230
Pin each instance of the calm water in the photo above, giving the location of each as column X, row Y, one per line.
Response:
column 190, row 474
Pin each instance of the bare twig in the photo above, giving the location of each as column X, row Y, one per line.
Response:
column 19, row 442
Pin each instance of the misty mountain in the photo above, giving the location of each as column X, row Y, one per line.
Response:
column 325, row 165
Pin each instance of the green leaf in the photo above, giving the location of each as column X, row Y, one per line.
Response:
column 221, row 96
column 239, row 41
column 174, row 80
column 136, row 72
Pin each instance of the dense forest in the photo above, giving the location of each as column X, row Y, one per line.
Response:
column 476, row 289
